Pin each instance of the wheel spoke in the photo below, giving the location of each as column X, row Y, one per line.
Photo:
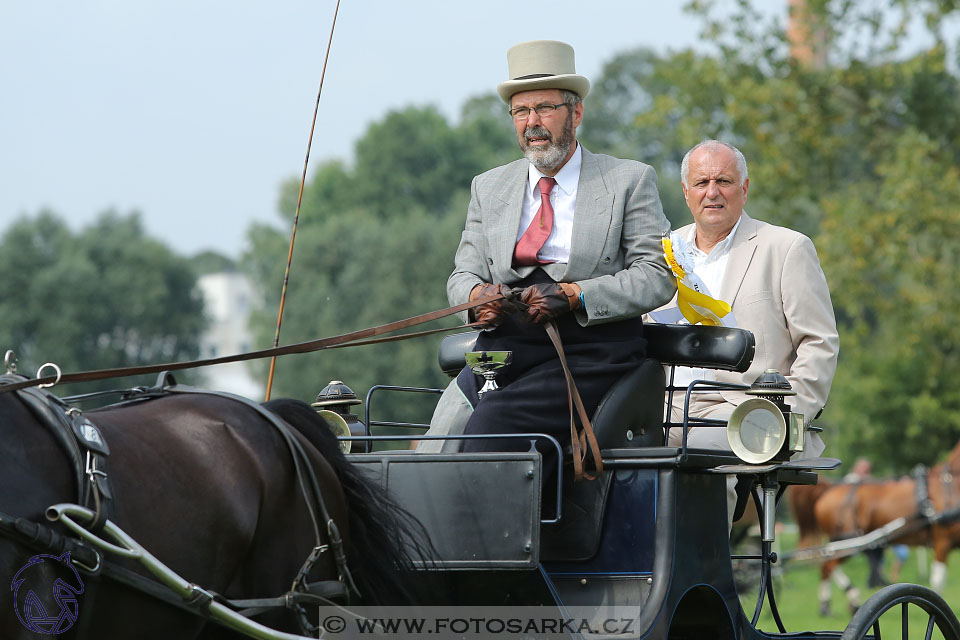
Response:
column 931, row 621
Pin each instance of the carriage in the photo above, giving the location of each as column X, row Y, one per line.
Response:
column 642, row 551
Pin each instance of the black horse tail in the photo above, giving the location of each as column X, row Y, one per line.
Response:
column 386, row 543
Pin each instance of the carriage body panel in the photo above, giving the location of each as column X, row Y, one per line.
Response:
column 658, row 553
column 481, row 511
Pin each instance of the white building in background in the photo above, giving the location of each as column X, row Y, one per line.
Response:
column 227, row 301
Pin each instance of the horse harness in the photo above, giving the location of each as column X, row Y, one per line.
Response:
column 87, row 453
column 951, row 501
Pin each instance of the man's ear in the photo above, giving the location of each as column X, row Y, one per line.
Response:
column 746, row 185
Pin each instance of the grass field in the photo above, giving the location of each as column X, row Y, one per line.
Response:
column 797, row 586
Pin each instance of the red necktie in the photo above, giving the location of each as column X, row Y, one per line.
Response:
column 539, row 230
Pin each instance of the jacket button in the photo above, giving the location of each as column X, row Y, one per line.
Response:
column 490, row 261
column 607, row 259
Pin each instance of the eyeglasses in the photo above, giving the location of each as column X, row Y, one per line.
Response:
column 522, row 113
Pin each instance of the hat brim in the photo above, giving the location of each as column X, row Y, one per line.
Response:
column 572, row 82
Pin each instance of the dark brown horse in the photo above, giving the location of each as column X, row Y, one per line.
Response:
column 208, row 485
column 856, row 509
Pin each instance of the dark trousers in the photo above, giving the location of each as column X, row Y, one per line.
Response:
column 532, row 397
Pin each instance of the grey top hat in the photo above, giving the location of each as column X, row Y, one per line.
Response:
column 542, row 64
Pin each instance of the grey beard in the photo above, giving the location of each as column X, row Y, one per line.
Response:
column 550, row 159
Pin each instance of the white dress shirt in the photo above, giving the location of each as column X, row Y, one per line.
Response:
column 710, row 267
column 563, row 196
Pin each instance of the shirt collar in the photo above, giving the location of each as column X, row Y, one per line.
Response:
column 722, row 247
column 567, row 178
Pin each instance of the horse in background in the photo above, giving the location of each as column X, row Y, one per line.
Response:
column 206, row 484
column 846, row 511
column 802, row 498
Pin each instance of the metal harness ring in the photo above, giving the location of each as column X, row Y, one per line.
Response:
column 56, row 368
column 10, row 361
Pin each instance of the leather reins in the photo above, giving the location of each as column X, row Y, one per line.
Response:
column 354, row 338
column 582, row 440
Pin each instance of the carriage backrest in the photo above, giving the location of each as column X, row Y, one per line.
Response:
column 725, row 348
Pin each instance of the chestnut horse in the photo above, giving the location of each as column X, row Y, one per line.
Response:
column 802, row 498
column 850, row 510
column 206, row 483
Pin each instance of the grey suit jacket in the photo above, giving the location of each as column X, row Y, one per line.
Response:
column 774, row 283
column 615, row 255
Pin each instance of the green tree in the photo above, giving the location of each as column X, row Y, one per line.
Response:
column 893, row 291
column 859, row 152
column 375, row 243
column 105, row 297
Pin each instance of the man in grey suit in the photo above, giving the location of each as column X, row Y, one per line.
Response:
column 594, row 267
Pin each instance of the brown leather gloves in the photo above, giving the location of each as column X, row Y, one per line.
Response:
column 492, row 313
column 539, row 302
column 548, row 301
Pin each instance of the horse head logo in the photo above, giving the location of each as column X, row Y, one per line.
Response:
column 45, row 594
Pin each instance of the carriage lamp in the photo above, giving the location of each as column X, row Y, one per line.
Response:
column 333, row 405
column 763, row 428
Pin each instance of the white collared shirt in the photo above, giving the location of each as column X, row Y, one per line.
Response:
column 710, row 267
column 562, row 197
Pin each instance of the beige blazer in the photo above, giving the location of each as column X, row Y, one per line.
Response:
column 774, row 283
column 615, row 255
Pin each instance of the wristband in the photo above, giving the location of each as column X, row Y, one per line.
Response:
column 582, row 303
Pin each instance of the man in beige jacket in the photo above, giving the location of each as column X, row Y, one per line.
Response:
column 771, row 277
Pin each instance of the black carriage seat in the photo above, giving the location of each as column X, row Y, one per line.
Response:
column 630, row 415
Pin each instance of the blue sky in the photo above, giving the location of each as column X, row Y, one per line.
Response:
column 194, row 111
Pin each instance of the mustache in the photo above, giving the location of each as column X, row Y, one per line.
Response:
column 537, row 131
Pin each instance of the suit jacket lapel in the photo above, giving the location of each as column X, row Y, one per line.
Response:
column 591, row 220
column 510, row 192
column 741, row 253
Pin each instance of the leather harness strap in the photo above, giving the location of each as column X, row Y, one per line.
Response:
column 581, row 441
column 347, row 339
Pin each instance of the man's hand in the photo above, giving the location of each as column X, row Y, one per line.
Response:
column 491, row 314
column 548, row 301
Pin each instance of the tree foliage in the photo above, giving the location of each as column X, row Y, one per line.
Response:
column 107, row 296
column 375, row 243
column 859, row 148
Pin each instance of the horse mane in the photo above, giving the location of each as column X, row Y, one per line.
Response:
column 385, row 541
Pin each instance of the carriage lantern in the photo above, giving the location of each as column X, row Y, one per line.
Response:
column 333, row 405
column 763, row 428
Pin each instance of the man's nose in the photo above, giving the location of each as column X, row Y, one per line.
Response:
column 712, row 189
column 533, row 119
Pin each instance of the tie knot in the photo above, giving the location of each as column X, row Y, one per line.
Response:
column 546, row 185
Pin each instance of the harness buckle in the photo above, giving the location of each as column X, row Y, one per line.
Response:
column 91, row 470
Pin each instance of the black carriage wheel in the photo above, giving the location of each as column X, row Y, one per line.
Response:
column 892, row 608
